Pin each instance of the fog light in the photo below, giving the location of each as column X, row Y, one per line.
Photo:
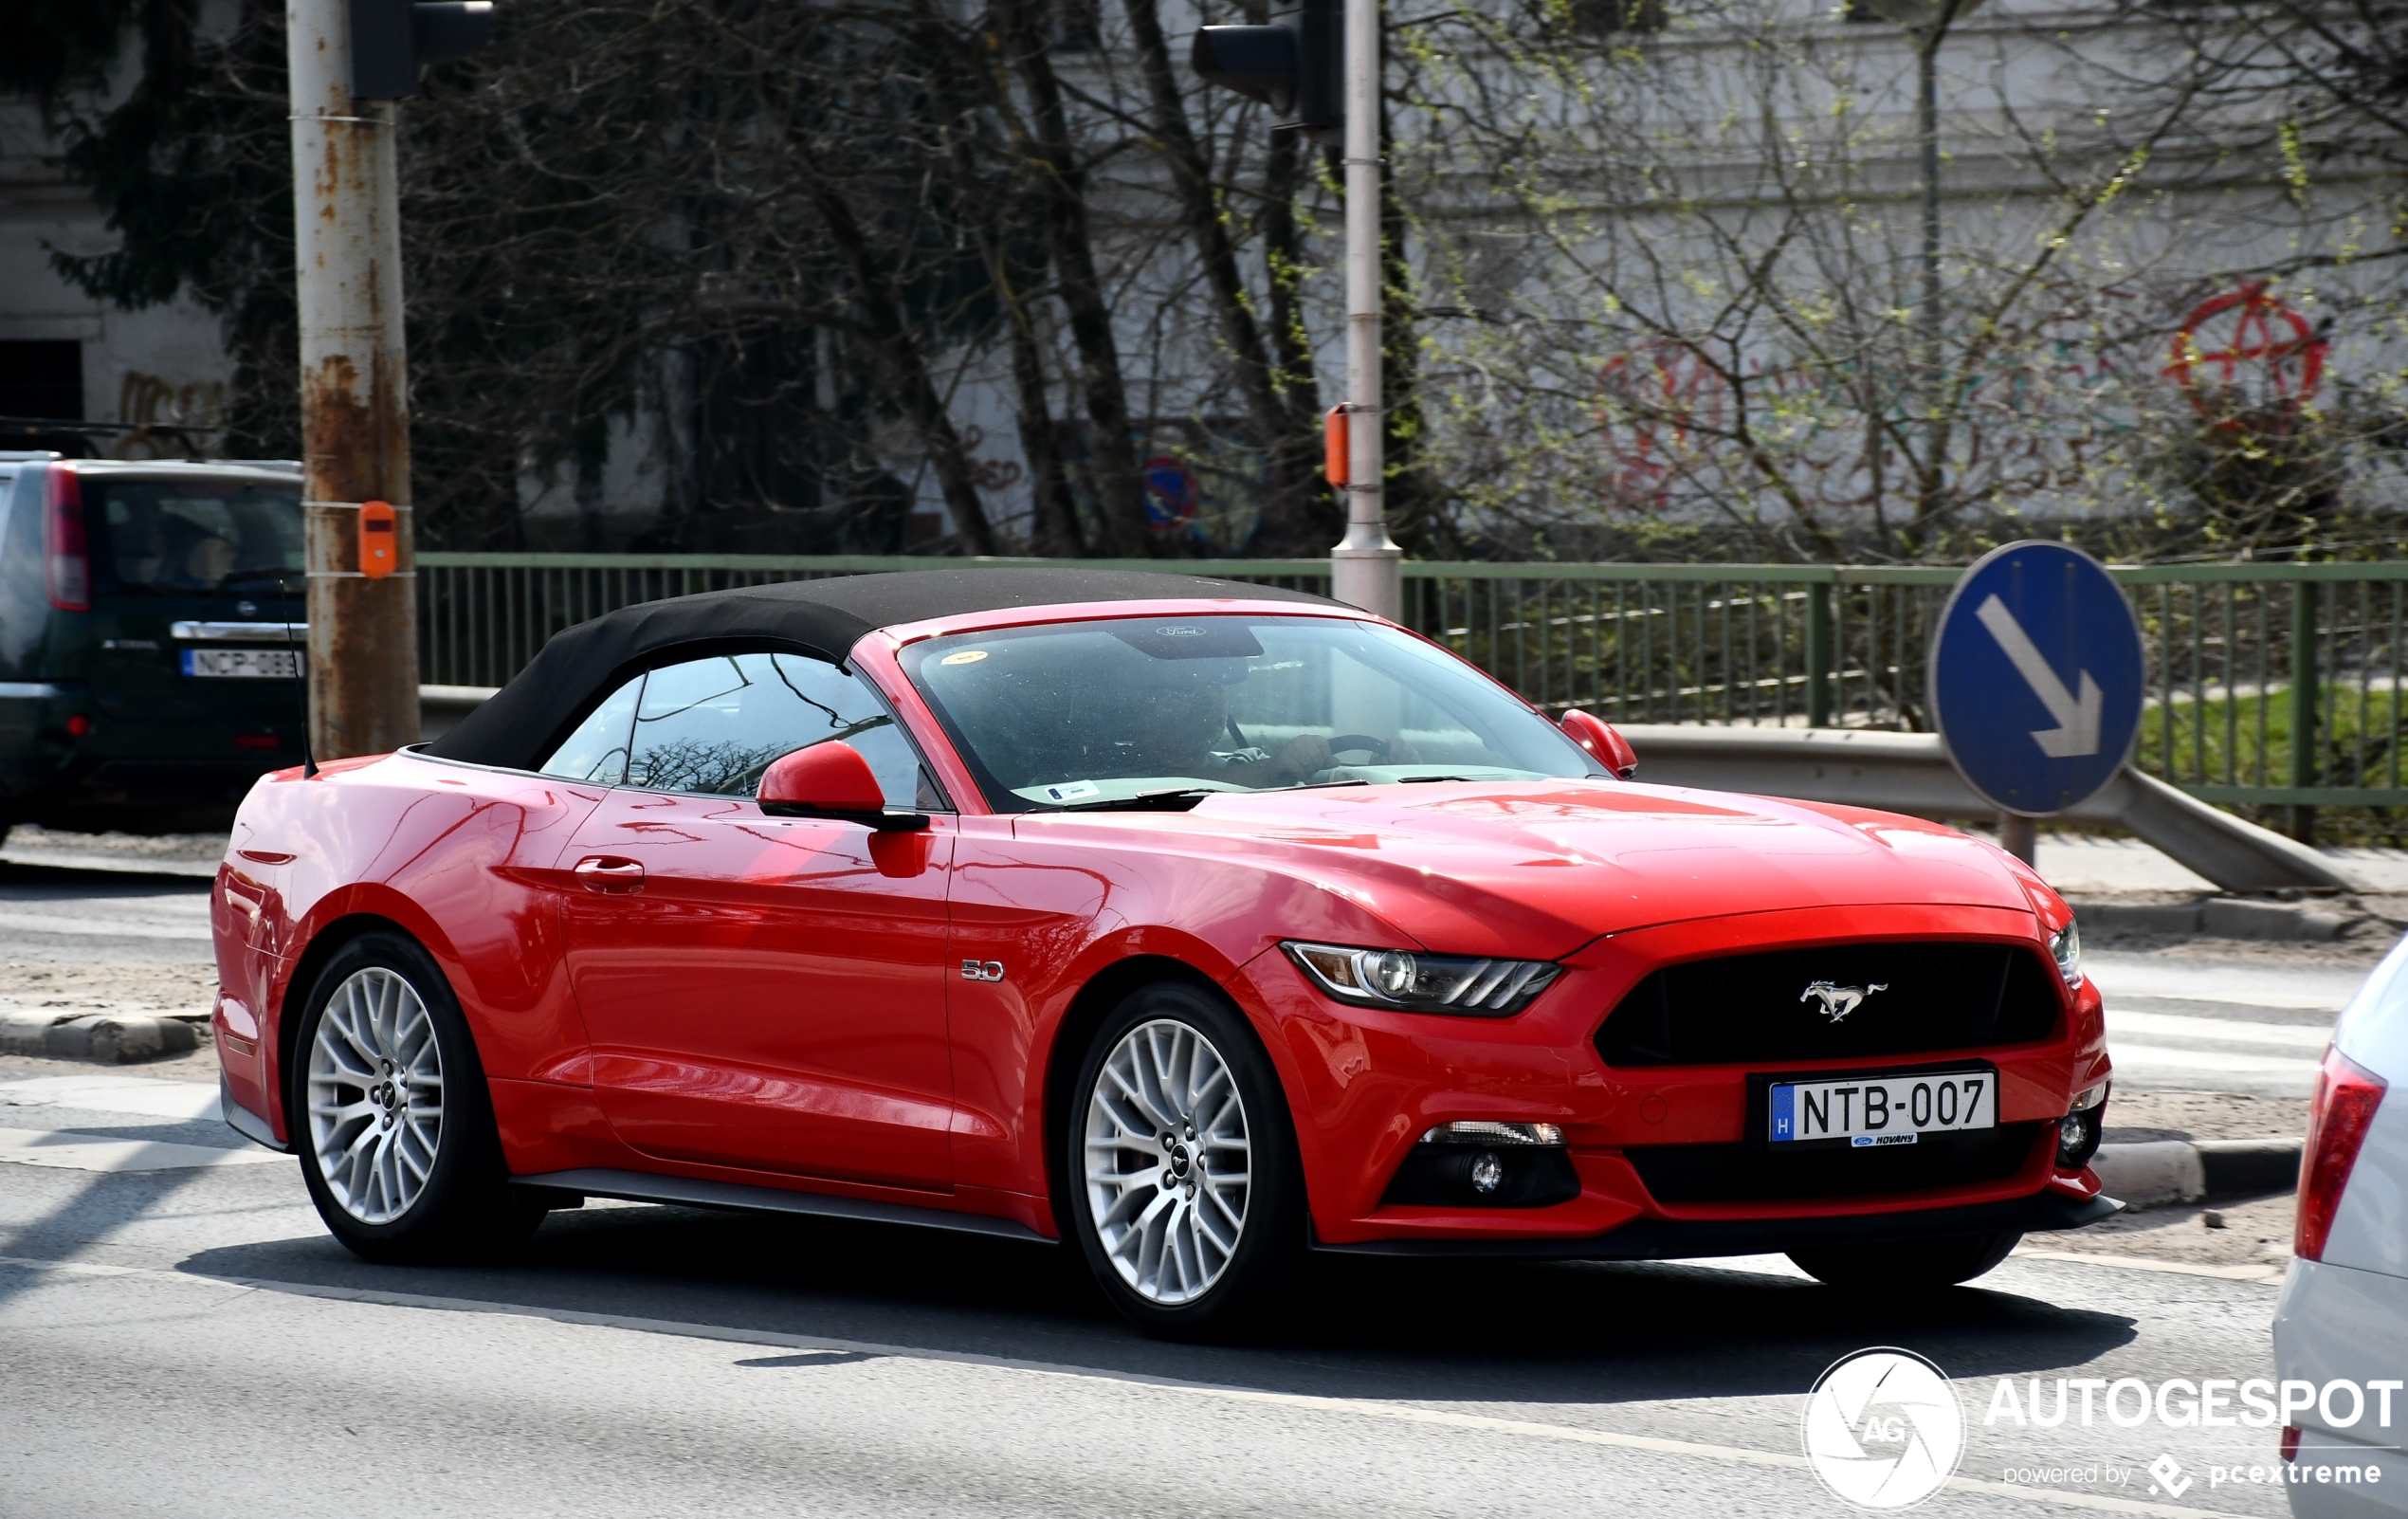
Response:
column 1486, row 1172
column 2079, row 1130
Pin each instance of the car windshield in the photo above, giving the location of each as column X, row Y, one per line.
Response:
column 1098, row 714
column 193, row 537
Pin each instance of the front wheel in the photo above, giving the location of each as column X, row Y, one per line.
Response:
column 395, row 1125
column 1185, row 1192
column 1910, row 1264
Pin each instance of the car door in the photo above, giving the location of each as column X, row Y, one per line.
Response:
column 763, row 993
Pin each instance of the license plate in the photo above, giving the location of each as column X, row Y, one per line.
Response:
column 242, row 664
column 1870, row 1111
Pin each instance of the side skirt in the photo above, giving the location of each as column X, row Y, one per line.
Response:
column 643, row 1187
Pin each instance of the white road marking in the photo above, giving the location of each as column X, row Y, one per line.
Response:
column 2140, row 1263
column 71, row 1151
column 2221, row 1030
column 115, row 1094
column 42, row 922
column 1362, row 1407
column 2132, row 1058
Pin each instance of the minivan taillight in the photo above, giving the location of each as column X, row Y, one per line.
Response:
column 66, row 565
column 2338, row 1116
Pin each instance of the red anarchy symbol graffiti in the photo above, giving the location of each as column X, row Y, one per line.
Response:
column 2260, row 347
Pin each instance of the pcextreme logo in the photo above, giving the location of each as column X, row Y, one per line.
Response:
column 1882, row 1428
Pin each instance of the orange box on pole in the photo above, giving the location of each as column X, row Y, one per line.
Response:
column 1336, row 441
column 377, row 536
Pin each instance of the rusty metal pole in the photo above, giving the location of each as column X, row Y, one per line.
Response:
column 363, row 632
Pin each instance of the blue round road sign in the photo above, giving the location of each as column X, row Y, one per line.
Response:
column 2035, row 677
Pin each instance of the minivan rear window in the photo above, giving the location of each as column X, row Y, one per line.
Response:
column 187, row 537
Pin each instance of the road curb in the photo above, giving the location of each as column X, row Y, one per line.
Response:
column 2158, row 1173
column 110, row 1038
column 2225, row 918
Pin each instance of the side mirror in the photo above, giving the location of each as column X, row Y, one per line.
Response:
column 830, row 780
column 1598, row 737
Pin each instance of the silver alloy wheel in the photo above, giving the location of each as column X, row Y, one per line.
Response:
column 375, row 1096
column 1168, row 1165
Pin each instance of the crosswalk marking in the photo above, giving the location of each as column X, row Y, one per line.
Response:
column 69, row 1150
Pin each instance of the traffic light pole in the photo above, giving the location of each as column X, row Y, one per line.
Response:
column 364, row 633
column 1366, row 568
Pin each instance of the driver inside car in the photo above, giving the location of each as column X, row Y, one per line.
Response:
column 1183, row 728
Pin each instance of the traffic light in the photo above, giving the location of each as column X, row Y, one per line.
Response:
column 1297, row 67
column 392, row 40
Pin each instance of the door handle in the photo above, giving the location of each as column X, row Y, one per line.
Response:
column 609, row 873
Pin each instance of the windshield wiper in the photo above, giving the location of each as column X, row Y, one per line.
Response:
column 1179, row 799
column 1414, row 781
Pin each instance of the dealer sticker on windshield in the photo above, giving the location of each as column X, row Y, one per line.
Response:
column 1870, row 1111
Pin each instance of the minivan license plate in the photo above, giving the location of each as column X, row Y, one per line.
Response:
column 242, row 664
column 1868, row 1111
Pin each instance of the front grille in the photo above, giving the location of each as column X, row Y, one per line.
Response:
column 1754, row 1173
column 1755, row 1008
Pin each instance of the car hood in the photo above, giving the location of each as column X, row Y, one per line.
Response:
column 1543, row 868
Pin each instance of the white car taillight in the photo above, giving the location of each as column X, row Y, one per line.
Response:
column 66, row 564
column 2338, row 1116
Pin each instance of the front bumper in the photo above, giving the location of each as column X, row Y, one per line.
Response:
column 1364, row 1083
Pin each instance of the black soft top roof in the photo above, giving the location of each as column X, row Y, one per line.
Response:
column 583, row 664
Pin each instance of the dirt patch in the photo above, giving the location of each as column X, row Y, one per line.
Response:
column 130, row 986
column 2252, row 1234
column 2203, row 1115
column 196, row 1065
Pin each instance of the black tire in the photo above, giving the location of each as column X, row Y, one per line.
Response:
column 1256, row 1277
column 464, row 1207
column 1909, row 1265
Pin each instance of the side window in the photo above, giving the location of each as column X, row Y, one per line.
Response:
column 713, row 725
column 597, row 750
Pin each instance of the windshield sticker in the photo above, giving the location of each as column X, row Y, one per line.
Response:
column 1071, row 791
column 967, row 656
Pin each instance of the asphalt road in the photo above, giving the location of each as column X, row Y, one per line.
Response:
column 91, row 916
column 179, row 1336
column 188, row 1341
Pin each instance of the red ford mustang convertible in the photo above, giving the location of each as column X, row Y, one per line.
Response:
column 1201, row 923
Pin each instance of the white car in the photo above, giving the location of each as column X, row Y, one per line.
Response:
column 2344, row 1317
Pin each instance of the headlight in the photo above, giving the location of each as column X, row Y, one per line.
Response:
column 2067, row 947
column 1415, row 982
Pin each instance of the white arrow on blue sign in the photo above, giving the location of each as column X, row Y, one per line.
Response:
column 2036, row 671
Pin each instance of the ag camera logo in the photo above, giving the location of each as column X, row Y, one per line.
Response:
column 1882, row 1428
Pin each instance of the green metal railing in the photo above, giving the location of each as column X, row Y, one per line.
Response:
column 2268, row 683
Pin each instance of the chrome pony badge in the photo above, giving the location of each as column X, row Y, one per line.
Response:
column 1838, row 1001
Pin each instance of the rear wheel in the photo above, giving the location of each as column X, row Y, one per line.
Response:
column 390, row 1110
column 1911, row 1263
column 1184, row 1189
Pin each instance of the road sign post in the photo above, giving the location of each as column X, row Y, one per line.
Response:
column 2035, row 681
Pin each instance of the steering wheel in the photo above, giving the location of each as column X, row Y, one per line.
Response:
column 1348, row 742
